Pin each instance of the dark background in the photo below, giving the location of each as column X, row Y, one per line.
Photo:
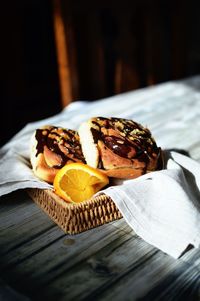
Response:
column 151, row 41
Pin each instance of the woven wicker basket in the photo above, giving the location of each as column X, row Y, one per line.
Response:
column 76, row 218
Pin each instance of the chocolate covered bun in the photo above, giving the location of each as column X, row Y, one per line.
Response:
column 120, row 147
column 53, row 147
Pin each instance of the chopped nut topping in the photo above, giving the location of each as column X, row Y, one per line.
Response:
column 120, row 141
column 45, row 132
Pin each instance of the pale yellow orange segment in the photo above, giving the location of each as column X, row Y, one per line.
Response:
column 77, row 182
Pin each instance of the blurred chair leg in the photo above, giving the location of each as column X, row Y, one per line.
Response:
column 62, row 55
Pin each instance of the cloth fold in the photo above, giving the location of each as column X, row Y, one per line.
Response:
column 163, row 207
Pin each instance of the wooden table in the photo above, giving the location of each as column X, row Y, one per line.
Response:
column 39, row 262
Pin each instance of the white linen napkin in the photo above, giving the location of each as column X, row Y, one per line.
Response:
column 163, row 207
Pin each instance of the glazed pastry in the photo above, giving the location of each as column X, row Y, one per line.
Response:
column 51, row 148
column 119, row 147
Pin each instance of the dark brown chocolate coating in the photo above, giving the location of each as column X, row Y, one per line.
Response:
column 54, row 137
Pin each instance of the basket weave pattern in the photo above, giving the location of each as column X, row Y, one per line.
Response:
column 76, row 218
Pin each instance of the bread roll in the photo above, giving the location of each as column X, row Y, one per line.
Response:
column 119, row 147
column 51, row 148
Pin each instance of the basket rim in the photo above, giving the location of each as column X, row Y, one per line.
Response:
column 102, row 196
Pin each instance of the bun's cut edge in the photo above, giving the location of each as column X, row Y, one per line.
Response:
column 89, row 148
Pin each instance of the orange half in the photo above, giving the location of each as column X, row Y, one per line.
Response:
column 77, row 182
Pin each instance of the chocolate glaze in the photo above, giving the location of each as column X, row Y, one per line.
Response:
column 54, row 136
column 97, row 135
column 118, row 148
column 135, row 139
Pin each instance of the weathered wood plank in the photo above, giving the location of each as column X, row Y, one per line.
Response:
column 10, row 202
column 192, row 257
column 59, row 255
column 111, row 268
column 69, row 243
column 100, row 271
column 22, row 226
column 115, row 275
column 157, row 280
